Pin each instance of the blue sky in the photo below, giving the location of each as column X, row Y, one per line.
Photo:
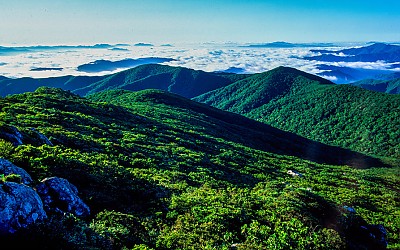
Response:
column 174, row 21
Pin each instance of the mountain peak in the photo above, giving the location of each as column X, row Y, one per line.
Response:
column 293, row 72
column 258, row 89
column 382, row 48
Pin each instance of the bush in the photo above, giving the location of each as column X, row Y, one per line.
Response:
column 6, row 149
column 10, row 178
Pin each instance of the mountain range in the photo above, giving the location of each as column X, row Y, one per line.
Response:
column 281, row 44
column 149, row 75
column 344, row 74
column 161, row 157
column 375, row 52
column 105, row 65
column 183, row 81
column 387, row 83
column 286, row 98
column 346, row 65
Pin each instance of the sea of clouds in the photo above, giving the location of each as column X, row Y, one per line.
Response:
column 50, row 61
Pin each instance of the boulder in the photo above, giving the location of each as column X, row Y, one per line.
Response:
column 361, row 234
column 375, row 235
column 11, row 134
column 20, row 206
column 7, row 168
column 39, row 138
column 29, row 136
column 294, row 173
column 60, row 196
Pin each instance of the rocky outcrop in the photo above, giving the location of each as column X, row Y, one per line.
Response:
column 20, row 206
column 30, row 136
column 60, row 196
column 8, row 168
column 360, row 234
column 38, row 138
column 11, row 134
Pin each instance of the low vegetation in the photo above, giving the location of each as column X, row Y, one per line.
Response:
column 162, row 172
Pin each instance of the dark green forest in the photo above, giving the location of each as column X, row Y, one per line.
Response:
column 160, row 171
column 341, row 115
column 183, row 81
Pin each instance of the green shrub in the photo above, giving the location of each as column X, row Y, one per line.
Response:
column 10, row 178
column 6, row 149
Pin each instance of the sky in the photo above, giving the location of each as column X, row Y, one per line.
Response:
column 193, row 21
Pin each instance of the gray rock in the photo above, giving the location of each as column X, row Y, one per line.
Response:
column 374, row 235
column 362, row 235
column 349, row 209
column 41, row 138
column 16, row 137
column 11, row 134
column 20, row 206
column 60, row 196
column 294, row 173
column 7, row 168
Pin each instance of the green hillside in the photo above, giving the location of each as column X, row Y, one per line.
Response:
column 341, row 115
column 159, row 171
column 183, row 81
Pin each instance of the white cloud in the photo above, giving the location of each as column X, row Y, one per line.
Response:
column 379, row 65
column 207, row 57
column 330, row 78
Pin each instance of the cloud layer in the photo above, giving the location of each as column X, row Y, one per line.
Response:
column 207, row 57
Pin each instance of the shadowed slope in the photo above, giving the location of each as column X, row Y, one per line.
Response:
column 239, row 129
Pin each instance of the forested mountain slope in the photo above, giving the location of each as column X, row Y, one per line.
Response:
column 182, row 81
column 341, row 115
column 159, row 171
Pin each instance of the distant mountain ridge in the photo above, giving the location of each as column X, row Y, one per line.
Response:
column 106, row 65
column 183, row 81
column 344, row 75
column 282, row 44
column 372, row 53
column 390, row 85
column 180, row 80
column 10, row 86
